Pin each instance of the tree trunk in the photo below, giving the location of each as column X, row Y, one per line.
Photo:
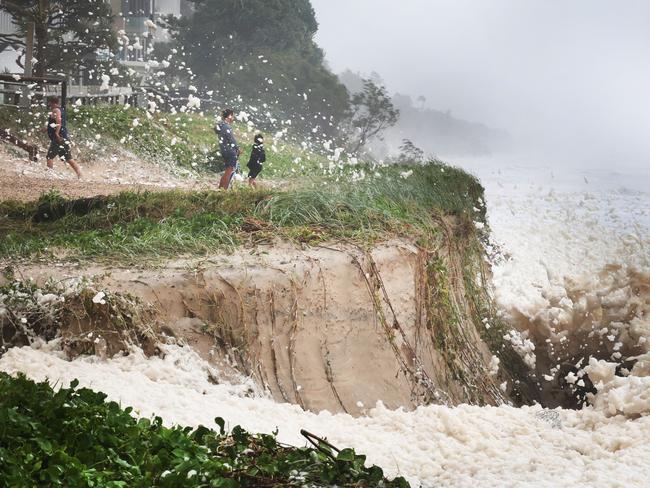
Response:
column 41, row 37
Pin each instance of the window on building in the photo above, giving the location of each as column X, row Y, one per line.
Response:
column 139, row 8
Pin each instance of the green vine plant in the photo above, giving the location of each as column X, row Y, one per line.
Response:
column 73, row 437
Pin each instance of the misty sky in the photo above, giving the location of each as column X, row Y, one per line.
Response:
column 562, row 76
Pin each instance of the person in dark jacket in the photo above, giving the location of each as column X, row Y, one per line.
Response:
column 227, row 146
column 57, row 131
column 257, row 159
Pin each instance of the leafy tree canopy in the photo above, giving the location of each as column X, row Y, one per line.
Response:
column 373, row 112
column 279, row 24
column 261, row 51
column 67, row 33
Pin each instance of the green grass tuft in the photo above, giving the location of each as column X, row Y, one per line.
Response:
column 172, row 223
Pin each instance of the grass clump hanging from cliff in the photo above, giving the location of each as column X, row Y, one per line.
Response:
column 161, row 224
column 73, row 437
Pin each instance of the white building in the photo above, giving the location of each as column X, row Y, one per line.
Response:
column 168, row 7
column 9, row 56
column 133, row 17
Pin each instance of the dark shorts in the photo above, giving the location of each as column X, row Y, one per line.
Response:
column 229, row 158
column 61, row 150
column 254, row 170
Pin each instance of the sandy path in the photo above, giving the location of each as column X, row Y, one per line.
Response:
column 23, row 180
column 25, row 188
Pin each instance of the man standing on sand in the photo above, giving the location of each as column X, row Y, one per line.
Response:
column 58, row 133
column 227, row 146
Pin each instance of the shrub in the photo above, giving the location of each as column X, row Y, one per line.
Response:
column 73, row 437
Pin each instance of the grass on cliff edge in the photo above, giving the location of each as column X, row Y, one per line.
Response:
column 132, row 225
column 73, row 437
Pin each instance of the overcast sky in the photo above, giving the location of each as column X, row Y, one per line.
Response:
column 570, row 76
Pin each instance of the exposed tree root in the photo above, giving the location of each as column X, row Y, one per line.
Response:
column 329, row 374
column 274, row 360
column 418, row 376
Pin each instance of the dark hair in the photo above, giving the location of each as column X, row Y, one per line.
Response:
column 259, row 138
column 53, row 99
column 227, row 113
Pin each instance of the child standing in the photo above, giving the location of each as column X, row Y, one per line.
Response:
column 257, row 159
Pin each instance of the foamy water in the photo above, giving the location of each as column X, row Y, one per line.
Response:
column 432, row 446
column 553, row 226
column 576, row 256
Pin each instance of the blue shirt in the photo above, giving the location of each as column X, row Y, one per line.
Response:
column 51, row 126
column 227, row 142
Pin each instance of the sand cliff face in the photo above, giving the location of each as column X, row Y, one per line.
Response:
column 330, row 327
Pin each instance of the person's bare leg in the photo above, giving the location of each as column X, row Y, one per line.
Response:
column 73, row 164
column 50, row 163
column 225, row 179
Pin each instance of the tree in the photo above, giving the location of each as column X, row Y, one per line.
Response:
column 351, row 80
column 260, row 52
column 67, row 33
column 410, row 153
column 223, row 31
column 372, row 112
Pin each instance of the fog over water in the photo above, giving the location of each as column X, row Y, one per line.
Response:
column 567, row 80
